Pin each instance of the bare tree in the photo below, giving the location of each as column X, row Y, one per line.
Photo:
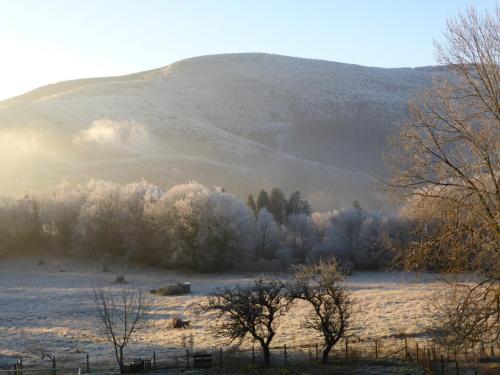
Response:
column 122, row 314
column 467, row 314
column 447, row 159
column 254, row 310
column 318, row 284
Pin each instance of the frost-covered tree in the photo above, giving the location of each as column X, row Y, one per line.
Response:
column 266, row 235
column 171, row 223
column 346, row 227
column 136, row 197
column 110, row 220
column 322, row 224
column 319, row 284
column 61, row 216
column 301, row 235
column 446, row 163
column 22, row 225
column 100, row 221
column 224, row 231
column 212, row 229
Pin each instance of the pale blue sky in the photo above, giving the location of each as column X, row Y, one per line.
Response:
column 52, row 40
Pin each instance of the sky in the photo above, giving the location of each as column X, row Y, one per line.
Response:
column 48, row 41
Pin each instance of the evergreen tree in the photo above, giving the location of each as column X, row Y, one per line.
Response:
column 356, row 205
column 293, row 204
column 277, row 205
column 251, row 204
column 305, row 207
column 263, row 200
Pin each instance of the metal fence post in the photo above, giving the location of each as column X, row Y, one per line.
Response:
column 88, row 364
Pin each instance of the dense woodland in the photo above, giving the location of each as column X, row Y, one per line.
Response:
column 192, row 226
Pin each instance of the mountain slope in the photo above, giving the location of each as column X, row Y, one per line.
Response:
column 242, row 121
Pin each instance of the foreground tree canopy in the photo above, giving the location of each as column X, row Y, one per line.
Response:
column 447, row 165
column 447, row 161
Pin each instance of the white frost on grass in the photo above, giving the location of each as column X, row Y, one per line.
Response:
column 45, row 310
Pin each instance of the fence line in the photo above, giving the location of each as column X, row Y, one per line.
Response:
column 430, row 355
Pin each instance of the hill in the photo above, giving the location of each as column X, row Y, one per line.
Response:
column 241, row 121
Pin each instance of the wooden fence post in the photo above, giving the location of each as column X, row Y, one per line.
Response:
column 376, row 348
column 442, row 365
column 54, row 366
column 428, row 358
column 253, row 355
column 187, row 358
column 154, row 359
column 88, row 364
column 317, row 352
column 310, row 353
column 417, row 353
column 284, row 351
column 456, row 367
column 221, row 358
column 346, row 349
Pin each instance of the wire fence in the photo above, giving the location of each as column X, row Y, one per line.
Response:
column 434, row 358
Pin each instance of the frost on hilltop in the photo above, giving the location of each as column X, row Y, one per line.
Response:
column 298, row 122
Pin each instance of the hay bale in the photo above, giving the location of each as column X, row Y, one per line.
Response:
column 179, row 323
column 178, row 289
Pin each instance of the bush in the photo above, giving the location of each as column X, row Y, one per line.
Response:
column 120, row 279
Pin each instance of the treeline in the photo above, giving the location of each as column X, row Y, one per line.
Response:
column 192, row 226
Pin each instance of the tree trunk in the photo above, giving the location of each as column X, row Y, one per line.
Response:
column 122, row 369
column 326, row 352
column 267, row 355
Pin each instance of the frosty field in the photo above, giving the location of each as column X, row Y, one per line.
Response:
column 50, row 309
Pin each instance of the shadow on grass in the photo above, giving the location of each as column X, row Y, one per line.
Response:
column 358, row 367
